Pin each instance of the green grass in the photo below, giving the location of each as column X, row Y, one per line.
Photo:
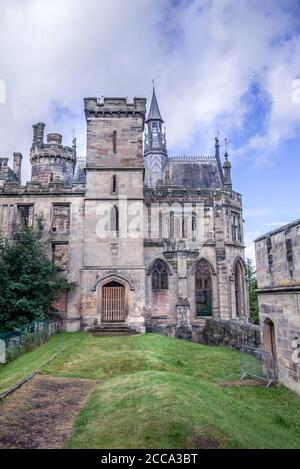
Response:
column 160, row 392
column 29, row 362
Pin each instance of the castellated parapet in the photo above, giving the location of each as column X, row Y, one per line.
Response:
column 51, row 161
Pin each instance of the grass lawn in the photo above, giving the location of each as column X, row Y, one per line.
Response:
column 161, row 392
column 27, row 363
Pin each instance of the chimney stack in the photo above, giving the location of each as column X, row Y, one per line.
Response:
column 17, row 165
column 38, row 134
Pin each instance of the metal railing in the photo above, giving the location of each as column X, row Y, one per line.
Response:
column 258, row 363
column 36, row 332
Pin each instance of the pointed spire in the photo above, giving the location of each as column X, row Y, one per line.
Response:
column 217, row 156
column 154, row 113
column 227, row 169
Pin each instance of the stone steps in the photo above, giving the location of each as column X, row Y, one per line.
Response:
column 112, row 329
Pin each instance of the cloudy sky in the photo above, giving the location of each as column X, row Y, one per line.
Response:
column 230, row 65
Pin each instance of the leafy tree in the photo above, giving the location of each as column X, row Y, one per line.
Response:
column 29, row 281
column 251, row 277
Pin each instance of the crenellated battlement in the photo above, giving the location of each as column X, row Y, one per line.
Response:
column 195, row 158
column 114, row 107
column 51, row 161
column 12, row 188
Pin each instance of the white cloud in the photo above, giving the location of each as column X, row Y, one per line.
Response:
column 204, row 54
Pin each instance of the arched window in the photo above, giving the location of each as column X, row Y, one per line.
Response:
column 236, row 229
column 114, row 184
column 160, row 224
column 239, row 282
column 159, row 275
column 114, row 219
column 172, row 227
column 194, row 225
column 203, row 289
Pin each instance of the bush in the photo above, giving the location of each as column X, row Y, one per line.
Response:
column 29, row 281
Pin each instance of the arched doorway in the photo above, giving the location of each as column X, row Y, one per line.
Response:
column 203, row 289
column 239, row 284
column 269, row 337
column 270, row 345
column 113, row 302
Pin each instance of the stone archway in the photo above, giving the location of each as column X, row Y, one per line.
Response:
column 239, row 288
column 113, row 302
column 269, row 342
column 269, row 337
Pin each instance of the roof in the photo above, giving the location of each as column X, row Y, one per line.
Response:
column 195, row 174
column 154, row 113
column 278, row 230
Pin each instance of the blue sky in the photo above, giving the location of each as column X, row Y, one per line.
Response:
column 218, row 64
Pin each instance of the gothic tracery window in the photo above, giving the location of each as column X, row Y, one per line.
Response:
column 203, row 289
column 159, row 276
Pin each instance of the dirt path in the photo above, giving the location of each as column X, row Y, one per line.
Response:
column 35, row 415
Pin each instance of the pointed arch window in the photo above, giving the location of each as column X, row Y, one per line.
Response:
column 172, row 225
column 239, row 283
column 194, row 225
column 203, row 289
column 160, row 279
column 114, row 219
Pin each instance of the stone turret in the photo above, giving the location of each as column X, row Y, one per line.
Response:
column 51, row 161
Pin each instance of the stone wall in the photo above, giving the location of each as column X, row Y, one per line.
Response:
column 278, row 270
column 212, row 332
column 231, row 333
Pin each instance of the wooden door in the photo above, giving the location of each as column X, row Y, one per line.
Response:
column 113, row 302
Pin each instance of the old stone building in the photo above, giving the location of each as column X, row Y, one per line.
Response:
column 150, row 239
column 278, row 270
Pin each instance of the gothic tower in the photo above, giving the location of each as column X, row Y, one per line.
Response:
column 113, row 275
column 155, row 152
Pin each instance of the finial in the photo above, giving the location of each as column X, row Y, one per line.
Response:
column 153, row 82
column 74, row 143
column 226, row 147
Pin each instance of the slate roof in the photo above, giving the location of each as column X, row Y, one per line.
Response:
column 195, row 174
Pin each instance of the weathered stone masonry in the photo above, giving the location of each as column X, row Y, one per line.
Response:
column 278, row 270
column 150, row 239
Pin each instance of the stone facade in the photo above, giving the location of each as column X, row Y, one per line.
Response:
column 278, row 270
column 149, row 239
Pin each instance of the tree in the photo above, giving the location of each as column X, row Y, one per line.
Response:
column 251, row 277
column 29, row 281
